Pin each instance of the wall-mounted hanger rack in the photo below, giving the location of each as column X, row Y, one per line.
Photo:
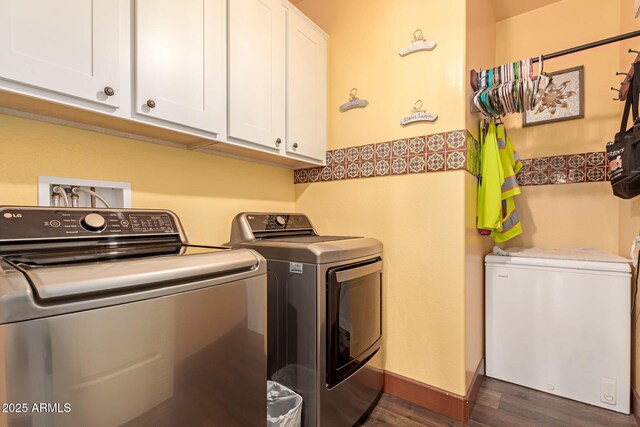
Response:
column 624, row 87
column 589, row 46
column 624, row 84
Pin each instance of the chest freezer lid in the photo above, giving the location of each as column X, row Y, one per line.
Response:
column 577, row 258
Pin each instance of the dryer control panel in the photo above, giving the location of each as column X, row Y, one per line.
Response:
column 20, row 223
column 267, row 222
column 248, row 226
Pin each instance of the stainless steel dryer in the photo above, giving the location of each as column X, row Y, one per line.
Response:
column 110, row 318
column 324, row 314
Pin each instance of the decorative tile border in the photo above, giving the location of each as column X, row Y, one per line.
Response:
column 455, row 150
column 564, row 169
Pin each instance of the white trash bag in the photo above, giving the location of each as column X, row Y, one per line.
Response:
column 284, row 406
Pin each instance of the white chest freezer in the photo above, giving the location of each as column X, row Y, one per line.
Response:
column 561, row 324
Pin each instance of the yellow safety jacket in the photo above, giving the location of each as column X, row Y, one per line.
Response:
column 498, row 184
column 491, row 179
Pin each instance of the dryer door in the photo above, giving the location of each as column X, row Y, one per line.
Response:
column 354, row 317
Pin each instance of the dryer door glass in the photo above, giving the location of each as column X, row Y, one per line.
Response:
column 354, row 314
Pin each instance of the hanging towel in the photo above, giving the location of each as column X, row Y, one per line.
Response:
column 498, row 185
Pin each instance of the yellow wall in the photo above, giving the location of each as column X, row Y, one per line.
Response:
column 205, row 191
column 480, row 53
column 476, row 247
column 419, row 218
column 365, row 37
column 571, row 215
column 567, row 215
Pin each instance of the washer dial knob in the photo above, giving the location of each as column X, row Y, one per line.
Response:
column 280, row 221
column 93, row 222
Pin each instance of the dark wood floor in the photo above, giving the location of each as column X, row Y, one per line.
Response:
column 502, row 404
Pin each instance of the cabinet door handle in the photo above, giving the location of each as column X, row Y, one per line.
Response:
column 108, row 90
column 151, row 103
column 295, row 145
column 278, row 141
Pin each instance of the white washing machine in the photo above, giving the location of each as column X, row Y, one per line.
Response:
column 559, row 322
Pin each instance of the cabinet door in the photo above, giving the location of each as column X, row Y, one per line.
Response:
column 180, row 62
column 257, row 71
column 306, row 89
column 65, row 46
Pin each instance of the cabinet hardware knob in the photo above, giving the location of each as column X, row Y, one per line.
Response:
column 108, row 90
column 278, row 141
column 151, row 103
column 295, row 145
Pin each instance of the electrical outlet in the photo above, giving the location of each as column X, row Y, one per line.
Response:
column 608, row 391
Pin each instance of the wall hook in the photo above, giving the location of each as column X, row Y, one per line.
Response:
column 622, row 74
column 634, row 51
column 619, row 93
column 418, row 108
column 417, row 35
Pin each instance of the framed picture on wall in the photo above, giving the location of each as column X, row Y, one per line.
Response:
column 563, row 99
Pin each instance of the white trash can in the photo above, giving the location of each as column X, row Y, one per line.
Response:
column 284, row 406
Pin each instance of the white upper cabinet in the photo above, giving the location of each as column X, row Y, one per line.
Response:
column 306, row 89
column 180, row 68
column 257, row 72
column 65, row 46
column 243, row 75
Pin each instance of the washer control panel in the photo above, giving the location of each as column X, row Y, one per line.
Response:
column 44, row 223
column 269, row 222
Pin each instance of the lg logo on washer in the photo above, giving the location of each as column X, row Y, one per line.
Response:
column 10, row 215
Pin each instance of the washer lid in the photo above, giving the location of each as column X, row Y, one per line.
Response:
column 108, row 283
column 68, row 281
column 577, row 258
